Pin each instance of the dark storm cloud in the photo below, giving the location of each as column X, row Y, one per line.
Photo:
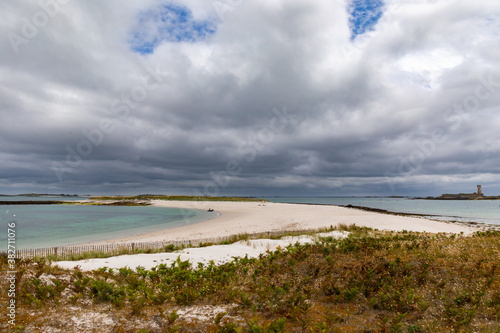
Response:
column 277, row 99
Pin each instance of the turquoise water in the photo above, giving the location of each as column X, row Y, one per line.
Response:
column 61, row 225
column 482, row 211
column 8, row 198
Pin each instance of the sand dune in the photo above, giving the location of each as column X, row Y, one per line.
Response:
column 218, row 254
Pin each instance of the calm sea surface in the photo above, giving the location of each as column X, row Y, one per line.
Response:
column 482, row 211
column 59, row 225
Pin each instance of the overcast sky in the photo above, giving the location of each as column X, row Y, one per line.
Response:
column 250, row 97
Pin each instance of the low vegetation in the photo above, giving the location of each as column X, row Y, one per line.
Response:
column 369, row 282
column 104, row 203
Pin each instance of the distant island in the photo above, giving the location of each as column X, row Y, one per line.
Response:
column 465, row 196
column 138, row 200
column 34, row 195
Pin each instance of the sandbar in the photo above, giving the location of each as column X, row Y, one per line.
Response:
column 259, row 217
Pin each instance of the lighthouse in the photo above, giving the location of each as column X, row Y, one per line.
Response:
column 480, row 190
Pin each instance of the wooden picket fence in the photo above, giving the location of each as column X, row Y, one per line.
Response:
column 70, row 252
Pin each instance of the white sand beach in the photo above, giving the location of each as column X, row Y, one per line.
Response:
column 256, row 217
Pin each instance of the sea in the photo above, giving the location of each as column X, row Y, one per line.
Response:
column 479, row 211
column 39, row 226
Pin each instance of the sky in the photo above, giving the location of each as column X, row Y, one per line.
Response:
column 250, row 97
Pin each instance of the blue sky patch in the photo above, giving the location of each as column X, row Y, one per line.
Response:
column 364, row 15
column 170, row 23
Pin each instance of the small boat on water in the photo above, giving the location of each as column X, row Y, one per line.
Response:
column 210, row 210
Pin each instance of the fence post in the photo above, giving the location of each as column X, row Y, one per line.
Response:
column 133, row 248
column 55, row 252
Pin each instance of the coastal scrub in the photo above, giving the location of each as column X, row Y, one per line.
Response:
column 371, row 281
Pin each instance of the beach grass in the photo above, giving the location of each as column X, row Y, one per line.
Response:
column 372, row 281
